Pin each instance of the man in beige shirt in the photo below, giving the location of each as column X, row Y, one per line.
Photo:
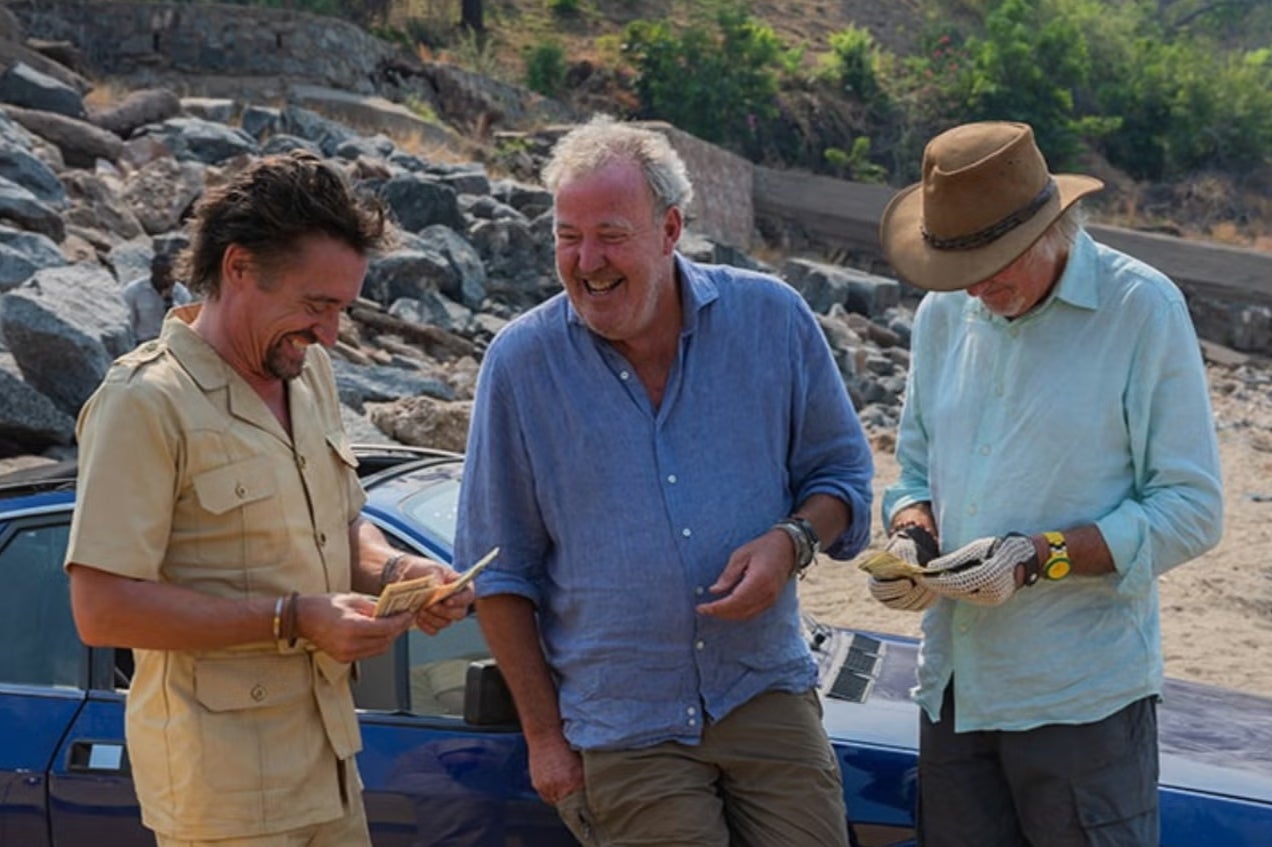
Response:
column 217, row 531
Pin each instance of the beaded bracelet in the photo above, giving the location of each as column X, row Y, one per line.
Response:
column 388, row 573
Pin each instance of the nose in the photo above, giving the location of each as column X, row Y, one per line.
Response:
column 591, row 255
column 327, row 330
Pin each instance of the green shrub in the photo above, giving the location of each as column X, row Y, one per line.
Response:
column 716, row 78
column 545, row 67
column 853, row 65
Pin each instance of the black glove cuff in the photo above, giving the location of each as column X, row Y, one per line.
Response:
column 925, row 546
column 1033, row 565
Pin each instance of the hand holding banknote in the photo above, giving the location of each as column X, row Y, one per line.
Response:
column 895, row 570
column 412, row 595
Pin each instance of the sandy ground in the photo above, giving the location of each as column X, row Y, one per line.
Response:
column 1216, row 609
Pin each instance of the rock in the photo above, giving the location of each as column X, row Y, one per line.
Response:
column 424, row 422
column 162, row 192
column 138, row 108
column 18, row 164
column 23, row 85
column 199, row 140
column 25, row 209
column 97, row 203
column 80, row 143
column 29, row 421
column 418, row 201
column 64, row 327
column 23, row 253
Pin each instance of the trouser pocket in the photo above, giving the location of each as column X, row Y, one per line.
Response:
column 577, row 816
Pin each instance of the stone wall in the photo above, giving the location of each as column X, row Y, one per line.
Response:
column 149, row 42
column 722, row 181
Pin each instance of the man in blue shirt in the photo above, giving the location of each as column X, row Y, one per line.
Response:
column 658, row 451
column 1057, row 440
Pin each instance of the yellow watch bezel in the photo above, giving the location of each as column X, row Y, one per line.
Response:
column 1058, row 564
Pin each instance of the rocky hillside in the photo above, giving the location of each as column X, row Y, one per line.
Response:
column 89, row 194
column 91, row 188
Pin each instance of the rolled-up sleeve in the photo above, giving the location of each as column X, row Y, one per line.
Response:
column 830, row 453
column 1176, row 513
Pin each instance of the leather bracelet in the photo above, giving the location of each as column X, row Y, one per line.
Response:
column 278, row 617
column 388, row 573
column 291, row 620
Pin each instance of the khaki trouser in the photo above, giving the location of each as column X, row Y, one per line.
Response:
column 765, row 776
column 349, row 830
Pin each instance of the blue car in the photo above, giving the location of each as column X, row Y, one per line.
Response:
column 443, row 761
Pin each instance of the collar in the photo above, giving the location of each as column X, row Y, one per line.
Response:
column 212, row 373
column 1078, row 285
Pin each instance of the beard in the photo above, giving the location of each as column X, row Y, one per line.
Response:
column 285, row 361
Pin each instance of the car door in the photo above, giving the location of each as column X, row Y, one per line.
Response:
column 64, row 777
column 432, row 777
column 42, row 667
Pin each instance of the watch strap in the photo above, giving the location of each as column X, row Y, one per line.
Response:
column 1058, row 564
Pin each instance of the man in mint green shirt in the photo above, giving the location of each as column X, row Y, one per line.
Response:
column 1057, row 444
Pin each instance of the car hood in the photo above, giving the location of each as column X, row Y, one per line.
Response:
column 1212, row 740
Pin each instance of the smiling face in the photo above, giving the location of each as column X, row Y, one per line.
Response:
column 614, row 254
column 276, row 313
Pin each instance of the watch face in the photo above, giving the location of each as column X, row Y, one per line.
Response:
column 1057, row 568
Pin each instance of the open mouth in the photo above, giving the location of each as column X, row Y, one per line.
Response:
column 301, row 340
column 601, row 286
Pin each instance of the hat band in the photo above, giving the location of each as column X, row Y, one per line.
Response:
column 994, row 231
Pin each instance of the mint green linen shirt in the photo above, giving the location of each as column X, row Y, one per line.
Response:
column 1091, row 408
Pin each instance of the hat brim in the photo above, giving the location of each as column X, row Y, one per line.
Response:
column 920, row 264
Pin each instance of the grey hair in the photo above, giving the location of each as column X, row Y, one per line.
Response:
column 1058, row 238
column 602, row 140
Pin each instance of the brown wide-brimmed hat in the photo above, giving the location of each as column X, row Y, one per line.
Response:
column 986, row 196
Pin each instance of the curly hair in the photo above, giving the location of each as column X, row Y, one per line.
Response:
column 269, row 207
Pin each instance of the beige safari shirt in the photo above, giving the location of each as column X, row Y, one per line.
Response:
column 187, row 477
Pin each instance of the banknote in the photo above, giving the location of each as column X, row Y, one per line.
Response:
column 410, row 595
column 884, row 565
column 446, row 589
column 407, row 595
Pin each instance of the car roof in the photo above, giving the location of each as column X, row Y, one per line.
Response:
column 372, row 459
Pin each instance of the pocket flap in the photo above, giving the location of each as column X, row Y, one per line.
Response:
column 231, row 683
column 234, row 485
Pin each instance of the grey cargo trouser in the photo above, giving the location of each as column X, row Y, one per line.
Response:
column 1061, row 785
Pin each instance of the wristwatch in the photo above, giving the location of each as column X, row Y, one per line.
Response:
column 804, row 537
column 1057, row 565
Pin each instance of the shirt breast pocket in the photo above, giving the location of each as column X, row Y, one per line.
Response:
column 242, row 512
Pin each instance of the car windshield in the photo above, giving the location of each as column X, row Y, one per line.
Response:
column 434, row 509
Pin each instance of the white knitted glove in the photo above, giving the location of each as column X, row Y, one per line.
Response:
column 915, row 545
column 983, row 571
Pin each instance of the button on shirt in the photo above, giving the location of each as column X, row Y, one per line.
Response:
column 1092, row 408
column 614, row 517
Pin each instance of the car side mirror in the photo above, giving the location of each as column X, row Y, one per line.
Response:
column 487, row 700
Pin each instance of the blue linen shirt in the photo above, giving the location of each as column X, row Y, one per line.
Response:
column 613, row 517
column 1091, row 408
